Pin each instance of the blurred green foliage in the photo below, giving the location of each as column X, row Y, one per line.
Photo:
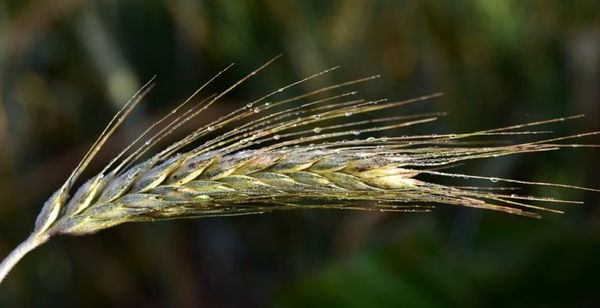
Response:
column 67, row 65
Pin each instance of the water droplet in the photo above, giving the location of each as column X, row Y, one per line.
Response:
column 147, row 142
column 371, row 139
column 495, row 180
column 317, row 116
column 210, row 128
column 348, row 113
column 276, row 137
column 256, row 110
column 356, row 132
column 249, row 105
column 384, row 139
column 317, row 130
column 267, row 104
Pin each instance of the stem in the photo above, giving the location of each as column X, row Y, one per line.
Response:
column 28, row 245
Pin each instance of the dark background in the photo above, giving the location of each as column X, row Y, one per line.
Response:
column 67, row 65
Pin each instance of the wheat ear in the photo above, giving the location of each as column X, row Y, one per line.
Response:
column 278, row 155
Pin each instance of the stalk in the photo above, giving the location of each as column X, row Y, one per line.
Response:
column 18, row 253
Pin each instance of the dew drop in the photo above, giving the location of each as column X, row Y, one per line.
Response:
column 495, row 180
column 317, row 130
column 371, row 139
column 317, row 116
column 348, row 113
column 276, row 137
column 210, row 128
column 355, row 132
column 249, row 105
column 256, row 110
